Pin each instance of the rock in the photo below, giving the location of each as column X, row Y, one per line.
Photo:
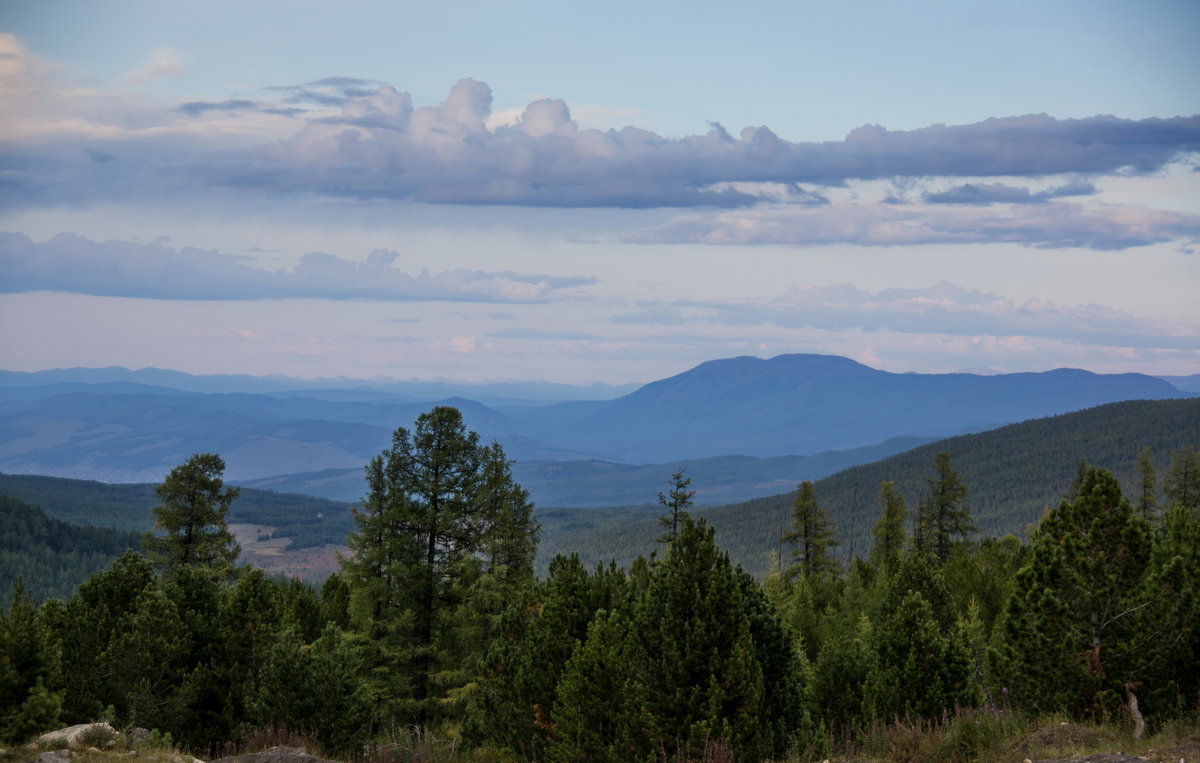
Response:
column 54, row 756
column 72, row 734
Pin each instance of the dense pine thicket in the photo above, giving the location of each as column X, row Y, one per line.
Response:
column 438, row 624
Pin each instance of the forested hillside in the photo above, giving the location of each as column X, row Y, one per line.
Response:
column 51, row 556
column 303, row 518
column 1012, row 473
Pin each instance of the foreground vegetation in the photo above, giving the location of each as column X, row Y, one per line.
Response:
column 437, row 642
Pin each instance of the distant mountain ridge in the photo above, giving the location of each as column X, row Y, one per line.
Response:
column 120, row 426
column 802, row 404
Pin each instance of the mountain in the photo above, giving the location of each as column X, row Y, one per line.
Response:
column 1184, row 383
column 118, row 432
column 593, row 483
column 520, row 392
column 124, row 426
column 1012, row 473
column 802, row 404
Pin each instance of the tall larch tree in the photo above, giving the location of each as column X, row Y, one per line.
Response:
column 676, row 501
column 946, row 513
column 1147, row 503
column 1182, row 484
column 811, row 536
column 889, row 530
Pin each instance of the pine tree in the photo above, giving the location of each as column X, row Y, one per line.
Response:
column 192, row 516
column 693, row 655
column 1169, row 626
column 29, row 662
column 440, row 512
column 677, row 501
column 1066, row 640
column 86, row 626
column 813, row 536
column 945, row 512
column 539, row 632
column 591, row 711
column 920, row 670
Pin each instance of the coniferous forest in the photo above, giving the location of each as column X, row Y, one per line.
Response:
column 436, row 640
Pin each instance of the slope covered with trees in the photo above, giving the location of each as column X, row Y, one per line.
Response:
column 304, row 519
column 436, row 631
column 52, row 557
column 1013, row 473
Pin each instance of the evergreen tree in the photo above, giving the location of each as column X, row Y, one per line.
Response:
column 250, row 621
column 439, row 510
column 812, row 535
column 1066, row 639
column 1183, row 479
column 335, row 601
column 839, row 676
column 945, row 511
column 316, row 690
column 889, row 530
column 1147, row 504
column 539, row 632
column 510, row 531
column 1169, row 649
column 677, row 501
column 192, row 516
column 29, row 662
column 86, row 626
column 699, row 682
column 591, row 712
column 920, row 670
column 145, row 663
column 786, row 705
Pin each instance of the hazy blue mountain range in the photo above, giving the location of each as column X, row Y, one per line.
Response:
column 802, row 404
column 536, row 392
column 589, row 483
column 112, row 425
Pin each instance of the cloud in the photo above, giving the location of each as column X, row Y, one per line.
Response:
column 69, row 263
column 381, row 147
column 537, row 334
column 1049, row 225
column 941, row 309
column 199, row 107
column 362, row 138
column 1030, row 180
column 164, row 63
column 981, row 194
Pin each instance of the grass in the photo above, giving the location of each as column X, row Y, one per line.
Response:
column 969, row 736
column 999, row 736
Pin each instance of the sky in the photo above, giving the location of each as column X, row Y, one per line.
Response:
column 598, row 192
